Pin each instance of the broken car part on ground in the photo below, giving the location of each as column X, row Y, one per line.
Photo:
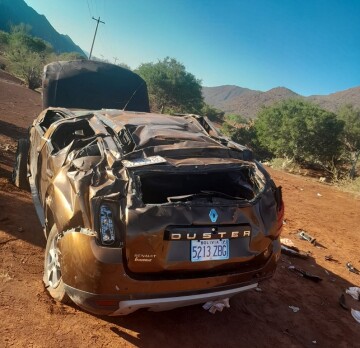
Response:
column 142, row 210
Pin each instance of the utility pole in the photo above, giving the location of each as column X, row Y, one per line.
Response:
column 97, row 24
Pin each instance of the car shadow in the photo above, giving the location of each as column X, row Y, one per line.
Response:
column 12, row 131
column 17, row 213
column 8, row 146
column 7, row 159
column 18, row 218
column 267, row 316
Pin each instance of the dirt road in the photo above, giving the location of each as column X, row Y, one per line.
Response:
column 256, row 319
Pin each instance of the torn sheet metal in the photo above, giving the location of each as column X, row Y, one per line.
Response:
column 293, row 251
column 351, row 268
column 305, row 274
column 306, row 236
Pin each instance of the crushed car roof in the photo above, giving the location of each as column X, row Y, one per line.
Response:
column 154, row 129
column 154, row 133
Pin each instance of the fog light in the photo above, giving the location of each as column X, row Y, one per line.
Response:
column 107, row 231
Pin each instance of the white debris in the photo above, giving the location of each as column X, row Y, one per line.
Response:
column 294, row 309
column 314, row 342
column 286, row 241
column 218, row 305
column 356, row 315
column 319, row 194
column 258, row 289
column 354, row 292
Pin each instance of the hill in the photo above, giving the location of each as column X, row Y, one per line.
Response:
column 14, row 12
column 247, row 102
column 333, row 101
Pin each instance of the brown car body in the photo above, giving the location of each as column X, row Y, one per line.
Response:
column 145, row 210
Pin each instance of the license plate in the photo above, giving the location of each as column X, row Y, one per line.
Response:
column 208, row 250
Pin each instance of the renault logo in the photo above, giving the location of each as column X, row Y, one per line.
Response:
column 213, row 215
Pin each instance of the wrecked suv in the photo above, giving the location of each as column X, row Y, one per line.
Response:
column 142, row 210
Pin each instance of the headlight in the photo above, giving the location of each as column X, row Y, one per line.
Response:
column 107, row 230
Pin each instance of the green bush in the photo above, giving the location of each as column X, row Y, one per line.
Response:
column 171, row 88
column 25, row 55
column 302, row 132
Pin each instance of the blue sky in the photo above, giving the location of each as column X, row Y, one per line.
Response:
column 309, row 46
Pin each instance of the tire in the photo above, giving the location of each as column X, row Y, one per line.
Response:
column 52, row 271
column 19, row 174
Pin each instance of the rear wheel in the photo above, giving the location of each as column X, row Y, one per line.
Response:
column 52, row 270
column 19, row 175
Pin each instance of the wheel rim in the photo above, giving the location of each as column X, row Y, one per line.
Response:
column 53, row 265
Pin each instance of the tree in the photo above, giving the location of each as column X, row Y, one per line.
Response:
column 237, row 128
column 4, row 40
column 244, row 133
column 27, row 55
column 67, row 56
column 19, row 36
column 27, row 65
column 351, row 135
column 171, row 88
column 301, row 132
column 236, row 120
column 212, row 113
column 4, row 44
column 123, row 65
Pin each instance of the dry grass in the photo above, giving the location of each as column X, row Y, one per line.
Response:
column 288, row 166
column 347, row 185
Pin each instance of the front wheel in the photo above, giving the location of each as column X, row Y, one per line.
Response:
column 52, row 270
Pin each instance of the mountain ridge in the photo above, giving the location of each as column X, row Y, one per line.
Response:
column 248, row 102
column 14, row 12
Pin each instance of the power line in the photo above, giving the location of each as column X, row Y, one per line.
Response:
column 92, row 6
column 87, row 1
column 97, row 24
column 96, row 7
